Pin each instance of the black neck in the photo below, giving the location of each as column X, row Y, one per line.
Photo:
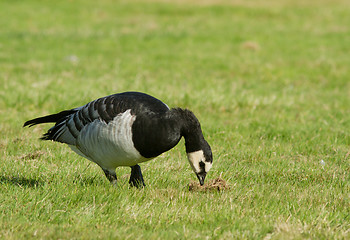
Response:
column 191, row 130
column 154, row 134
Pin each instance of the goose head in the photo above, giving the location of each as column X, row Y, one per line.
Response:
column 201, row 161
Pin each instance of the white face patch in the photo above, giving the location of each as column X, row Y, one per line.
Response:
column 208, row 166
column 196, row 159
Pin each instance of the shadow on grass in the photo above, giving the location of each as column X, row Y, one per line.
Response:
column 98, row 180
column 84, row 180
column 21, row 181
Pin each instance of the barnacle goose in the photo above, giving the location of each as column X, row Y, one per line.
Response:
column 126, row 129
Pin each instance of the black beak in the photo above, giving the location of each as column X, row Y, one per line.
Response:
column 201, row 177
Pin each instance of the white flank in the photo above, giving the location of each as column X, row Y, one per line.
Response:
column 76, row 150
column 109, row 145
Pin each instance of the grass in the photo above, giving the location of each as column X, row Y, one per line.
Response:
column 269, row 81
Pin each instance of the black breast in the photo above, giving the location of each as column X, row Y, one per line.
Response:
column 154, row 134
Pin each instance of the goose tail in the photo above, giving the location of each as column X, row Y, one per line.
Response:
column 53, row 118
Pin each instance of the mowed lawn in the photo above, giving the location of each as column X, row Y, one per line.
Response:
column 269, row 81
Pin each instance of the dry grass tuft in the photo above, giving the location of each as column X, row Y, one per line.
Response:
column 254, row 46
column 217, row 184
column 33, row 155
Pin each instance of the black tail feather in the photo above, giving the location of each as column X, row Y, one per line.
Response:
column 55, row 132
column 50, row 118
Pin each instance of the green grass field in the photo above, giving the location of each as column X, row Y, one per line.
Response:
column 269, row 81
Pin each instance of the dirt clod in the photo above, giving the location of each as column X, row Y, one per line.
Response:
column 217, row 184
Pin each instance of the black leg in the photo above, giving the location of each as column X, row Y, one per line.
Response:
column 111, row 176
column 136, row 179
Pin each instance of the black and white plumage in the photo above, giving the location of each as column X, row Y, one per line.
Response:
column 126, row 129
